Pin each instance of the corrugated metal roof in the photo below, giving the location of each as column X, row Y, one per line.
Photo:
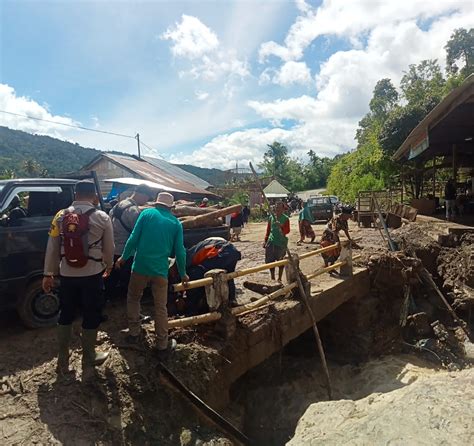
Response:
column 178, row 172
column 150, row 172
column 463, row 93
column 275, row 188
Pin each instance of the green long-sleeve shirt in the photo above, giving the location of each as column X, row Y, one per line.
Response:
column 157, row 235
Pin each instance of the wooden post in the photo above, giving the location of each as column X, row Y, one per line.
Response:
column 293, row 273
column 434, row 177
column 346, row 269
column 217, row 293
column 292, row 269
column 455, row 163
column 217, row 296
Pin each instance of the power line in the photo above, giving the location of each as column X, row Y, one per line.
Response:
column 68, row 125
column 155, row 151
column 84, row 128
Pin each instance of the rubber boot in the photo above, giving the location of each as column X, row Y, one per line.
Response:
column 90, row 358
column 64, row 333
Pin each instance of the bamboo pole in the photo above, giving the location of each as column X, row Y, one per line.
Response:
column 194, row 320
column 215, row 316
column 326, row 269
column 255, row 269
column 253, row 310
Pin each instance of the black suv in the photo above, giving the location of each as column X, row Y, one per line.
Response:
column 27, row 207
column 321, row 208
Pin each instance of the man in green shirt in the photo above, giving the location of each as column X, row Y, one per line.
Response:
column 157, row 235
column 275, row 238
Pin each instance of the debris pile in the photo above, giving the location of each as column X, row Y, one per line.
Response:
column 370, row 326
column 456, row 270
column 415, row 241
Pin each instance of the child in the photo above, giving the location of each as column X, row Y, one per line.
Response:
column 329, row 238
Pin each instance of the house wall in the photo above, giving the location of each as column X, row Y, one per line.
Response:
column 105, row 169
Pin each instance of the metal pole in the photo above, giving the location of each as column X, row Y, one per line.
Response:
column 138, row 143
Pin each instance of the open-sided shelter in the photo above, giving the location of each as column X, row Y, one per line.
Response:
column 445, row 137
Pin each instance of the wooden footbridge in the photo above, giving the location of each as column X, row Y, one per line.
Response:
column 255, row 331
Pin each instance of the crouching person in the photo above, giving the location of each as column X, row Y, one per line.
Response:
column 80, row 251
column 211, row 253
column 157, row 235
column 330, row 238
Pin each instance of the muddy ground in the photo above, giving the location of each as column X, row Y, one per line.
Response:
column 132, row 404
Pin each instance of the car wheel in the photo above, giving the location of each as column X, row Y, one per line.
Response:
column 37, row 308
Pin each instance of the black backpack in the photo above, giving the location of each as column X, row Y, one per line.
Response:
column 117, row 212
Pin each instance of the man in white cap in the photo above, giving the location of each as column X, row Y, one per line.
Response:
column 204, row 203
column 157, row 235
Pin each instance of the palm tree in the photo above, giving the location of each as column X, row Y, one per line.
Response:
column 31, row 167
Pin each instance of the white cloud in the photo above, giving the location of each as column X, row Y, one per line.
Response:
column 217, row 66
column 289, row 73
column 347, row 18
column 22, row 105
column 201, row 95
column 190, row 38
column 327, row 122
column 243, row 146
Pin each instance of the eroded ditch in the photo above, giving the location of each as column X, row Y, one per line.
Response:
column 372, row 359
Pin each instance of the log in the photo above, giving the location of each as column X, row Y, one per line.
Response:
column 189, row 223
column 206, row 219
column 181, row 211
column 262, row 288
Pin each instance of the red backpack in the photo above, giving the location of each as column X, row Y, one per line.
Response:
column 74, row 232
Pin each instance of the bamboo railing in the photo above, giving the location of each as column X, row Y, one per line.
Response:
column 264, row 301
column 256, row 269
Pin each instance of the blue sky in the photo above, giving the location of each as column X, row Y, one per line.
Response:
column 211, row 83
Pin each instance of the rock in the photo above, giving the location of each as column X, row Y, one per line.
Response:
column 433, row 410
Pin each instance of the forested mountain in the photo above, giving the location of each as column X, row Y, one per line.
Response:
column 216, row 177
column 24, row 154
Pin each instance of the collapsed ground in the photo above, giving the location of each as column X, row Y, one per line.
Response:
column 132, row 404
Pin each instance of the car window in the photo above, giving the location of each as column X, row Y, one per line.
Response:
column 38, row 201
column 318, row 201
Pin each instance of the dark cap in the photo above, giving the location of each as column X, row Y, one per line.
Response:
column 86, row 188
column 145, row 190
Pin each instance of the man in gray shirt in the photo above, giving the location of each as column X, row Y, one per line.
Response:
column 124, row 216
column 80, row 251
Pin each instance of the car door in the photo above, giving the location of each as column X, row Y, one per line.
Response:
column 23, row 241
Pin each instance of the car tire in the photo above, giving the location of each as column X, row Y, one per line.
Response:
column 36, row 308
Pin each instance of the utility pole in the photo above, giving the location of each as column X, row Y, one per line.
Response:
column 138, row 143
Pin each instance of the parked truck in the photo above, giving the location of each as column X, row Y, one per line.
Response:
column 27, row 207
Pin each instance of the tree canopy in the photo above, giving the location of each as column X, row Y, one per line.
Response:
column 393, row 115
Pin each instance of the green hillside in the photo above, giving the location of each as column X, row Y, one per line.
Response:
column 25, row 154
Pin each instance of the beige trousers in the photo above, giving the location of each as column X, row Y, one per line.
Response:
column 159, row 288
